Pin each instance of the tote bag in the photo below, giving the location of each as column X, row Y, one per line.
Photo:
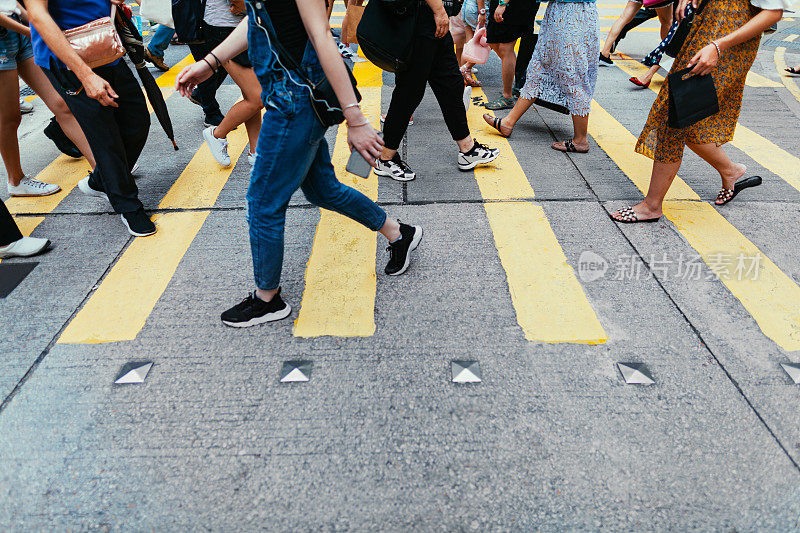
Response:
column 159, row 11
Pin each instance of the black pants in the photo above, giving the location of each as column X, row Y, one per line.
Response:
column 527, row 45
column 433, row 61
column 206, row 92
column 116, row 135
column 9, row 232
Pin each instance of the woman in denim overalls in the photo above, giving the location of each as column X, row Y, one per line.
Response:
column 292, row 150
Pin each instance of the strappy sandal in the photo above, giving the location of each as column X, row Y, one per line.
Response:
column 628, row 216
column 496, row 123
column 793, row 70
column 726, row 195
column 569, row 147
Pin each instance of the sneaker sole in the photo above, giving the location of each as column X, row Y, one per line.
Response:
column 414, row 244
column 269, row 317
column 390, row 175
column 35, row 195
column 133, row 232
column 470, row 166
column 206, row 135
column 31, row 254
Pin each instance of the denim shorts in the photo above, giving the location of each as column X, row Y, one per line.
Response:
column 14, row 49
column 469, row 14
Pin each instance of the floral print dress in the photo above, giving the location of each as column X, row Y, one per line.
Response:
column 719, row 18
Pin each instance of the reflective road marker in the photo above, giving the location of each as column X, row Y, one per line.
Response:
column 548, row 299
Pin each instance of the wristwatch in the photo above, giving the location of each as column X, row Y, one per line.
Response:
column 503, row 3
column 482, row 11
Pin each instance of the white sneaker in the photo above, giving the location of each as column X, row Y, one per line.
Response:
column 135, row 168
column 251, row 158
column 25, row 107
column 478, row 155
column 25, row 247
column 218, row 147
column 345, row 51
column 86, row 189
column 395, row 168
column 31, row 187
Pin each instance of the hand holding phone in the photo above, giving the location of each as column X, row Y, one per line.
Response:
column 358, row 165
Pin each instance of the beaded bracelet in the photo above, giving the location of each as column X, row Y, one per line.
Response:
column 719, row 52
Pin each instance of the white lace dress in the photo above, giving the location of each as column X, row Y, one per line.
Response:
column 563, row 69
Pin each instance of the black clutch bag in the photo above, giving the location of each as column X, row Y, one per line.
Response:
column 690, row 99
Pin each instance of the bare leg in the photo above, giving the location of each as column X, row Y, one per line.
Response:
column 660, row 181
column 508, row 58
column 36, row 80
column 246, row 111
column 508, row 121
column 717, row 158
column 627, row 15
column 10, row 120
column 665, row 18
column 469, row 34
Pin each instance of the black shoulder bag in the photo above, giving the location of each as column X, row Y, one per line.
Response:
column 386, row 33
column 323, row 99
column 690, row 99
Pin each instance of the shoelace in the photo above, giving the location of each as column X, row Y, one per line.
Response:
column 36, row 184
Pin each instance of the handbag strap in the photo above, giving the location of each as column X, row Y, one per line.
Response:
column 284, row 54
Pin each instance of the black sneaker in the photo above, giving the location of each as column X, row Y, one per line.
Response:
column 477, row 155
column 65, row 145
column 395, row 168
column 605, row 60
column 400, row 250
column 138, row 223
column 253, row 311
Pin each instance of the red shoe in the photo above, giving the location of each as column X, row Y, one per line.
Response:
column 634, row 80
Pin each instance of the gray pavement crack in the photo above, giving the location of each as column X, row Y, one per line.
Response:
column 685, row 317
column 38, row 361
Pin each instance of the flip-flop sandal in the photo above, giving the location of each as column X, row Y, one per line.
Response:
column 628, row 216
column 497, row 123
column 569, row 147
column 793, row 70
column 726, row 195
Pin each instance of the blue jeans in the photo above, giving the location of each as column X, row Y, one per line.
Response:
column 292, row 154
column 160, row 40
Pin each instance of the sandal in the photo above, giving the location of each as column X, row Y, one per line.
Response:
column 469, row 79
column 501, row 103
column 793, row 70
column 636, row 81
column 628, row 216
column 496, row 123
column 569, row 147
column 726, row 195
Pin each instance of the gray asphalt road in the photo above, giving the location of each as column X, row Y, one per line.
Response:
column 380, row 438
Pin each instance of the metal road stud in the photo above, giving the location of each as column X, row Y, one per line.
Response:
column 133, row 372
column 635, row 373
column 295, row 371
column 793, row 369
column 465, row 371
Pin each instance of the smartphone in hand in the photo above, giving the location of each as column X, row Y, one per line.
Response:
column 358, row 165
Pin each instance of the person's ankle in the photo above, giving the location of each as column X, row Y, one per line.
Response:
column 266, row 296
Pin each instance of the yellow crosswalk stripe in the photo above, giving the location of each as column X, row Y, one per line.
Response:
column 119, row 307
column 550, row 303
column 757, row 80
column 340, row 279
column 67, row 172
column 771, row 297
column 761, row 150
column 780, row 65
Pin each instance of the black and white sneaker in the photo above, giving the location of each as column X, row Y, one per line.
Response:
column 345, row 51
column 478, row 155
column 138, row 223
column 253, row 311
column 400, row 250
column 394, row 168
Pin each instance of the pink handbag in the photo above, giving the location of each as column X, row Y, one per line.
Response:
column 476, row 50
